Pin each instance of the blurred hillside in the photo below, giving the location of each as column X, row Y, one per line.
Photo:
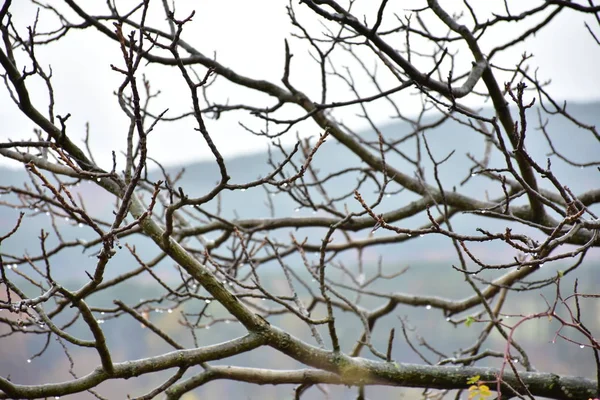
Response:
column 429, row 258
column 200, row 178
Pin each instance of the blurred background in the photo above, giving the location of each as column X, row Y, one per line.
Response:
column 248, row 37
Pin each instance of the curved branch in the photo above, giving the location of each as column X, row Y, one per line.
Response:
column 130, row 369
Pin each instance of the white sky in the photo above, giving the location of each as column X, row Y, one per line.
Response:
column 248, row 36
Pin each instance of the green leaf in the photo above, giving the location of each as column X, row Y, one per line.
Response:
column 469, row 321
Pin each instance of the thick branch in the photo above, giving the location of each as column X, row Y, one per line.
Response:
column 130, row 369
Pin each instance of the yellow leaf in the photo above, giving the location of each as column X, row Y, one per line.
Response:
column 484, row 391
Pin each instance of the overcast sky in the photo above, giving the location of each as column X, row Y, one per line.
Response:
column 248, row 37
